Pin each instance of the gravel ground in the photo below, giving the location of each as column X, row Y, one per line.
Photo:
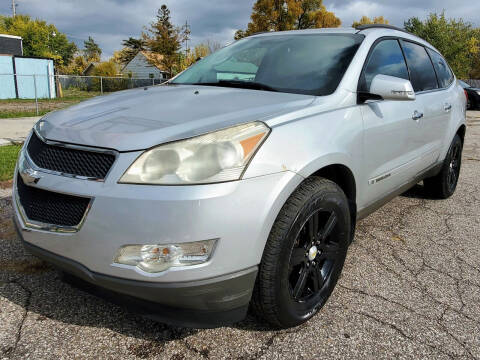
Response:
column 410, row 289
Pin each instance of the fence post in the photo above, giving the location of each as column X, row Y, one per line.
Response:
column 35, row 86
column 101, row 85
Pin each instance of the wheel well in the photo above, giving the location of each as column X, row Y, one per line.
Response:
column 461, row 132
column 343, row 177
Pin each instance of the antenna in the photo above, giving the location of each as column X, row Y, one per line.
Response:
column 14, row 8
column 186, row 37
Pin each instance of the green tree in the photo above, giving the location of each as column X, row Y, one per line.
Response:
column 280, row 15
column 365, row 20
column 131, row 47
column 313, row 14
column 475, row 71
column 106, row 68
column 200, row 51
column 164, row 38
column 76, row 66
column 39, row 38
column 91, row 50
column 456, row 39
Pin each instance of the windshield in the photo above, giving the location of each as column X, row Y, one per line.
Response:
column 311, row 64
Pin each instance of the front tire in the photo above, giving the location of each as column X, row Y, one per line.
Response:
column 304, row 254
column 444, row 184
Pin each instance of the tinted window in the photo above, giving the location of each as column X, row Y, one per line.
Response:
column 444, row 74
column 385, row 59
column 303, row 64
column 421, row 70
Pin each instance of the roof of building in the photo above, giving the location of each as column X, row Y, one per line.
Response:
column 90, row 66
column 11, row 36
column 154, row 59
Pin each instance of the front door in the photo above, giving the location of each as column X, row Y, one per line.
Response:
column 390, row 128
column 435, row 101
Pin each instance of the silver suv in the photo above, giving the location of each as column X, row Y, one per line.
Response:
column 239, row 182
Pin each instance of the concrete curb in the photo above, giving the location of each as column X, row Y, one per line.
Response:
column 15, row 130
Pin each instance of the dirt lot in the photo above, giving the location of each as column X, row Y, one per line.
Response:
column 410, row 289
column 47, row 105
column 22, row 107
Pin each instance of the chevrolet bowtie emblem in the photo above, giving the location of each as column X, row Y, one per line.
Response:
column 28, row 174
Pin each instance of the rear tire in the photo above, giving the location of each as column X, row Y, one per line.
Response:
column 444, row 184
column 304, row 254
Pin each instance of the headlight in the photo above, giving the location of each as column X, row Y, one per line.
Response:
column 215, row 157
column 158, row 258
column 478, row 92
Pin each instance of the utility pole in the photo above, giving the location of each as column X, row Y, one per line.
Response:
column 14, row 8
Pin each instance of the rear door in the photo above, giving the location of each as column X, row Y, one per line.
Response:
column 447, row 97
column 390, row 133
column 432, row 125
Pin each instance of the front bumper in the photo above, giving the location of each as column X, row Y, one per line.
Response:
column 208, row 303
column 238, row 214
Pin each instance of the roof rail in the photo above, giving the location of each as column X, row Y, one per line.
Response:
column 379, row 26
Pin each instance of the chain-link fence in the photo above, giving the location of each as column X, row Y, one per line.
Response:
column 23, row 95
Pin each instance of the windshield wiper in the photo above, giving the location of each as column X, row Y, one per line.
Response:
column 239, row 84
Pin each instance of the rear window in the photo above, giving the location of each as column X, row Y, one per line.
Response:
column 444, row 74
column 422, row 74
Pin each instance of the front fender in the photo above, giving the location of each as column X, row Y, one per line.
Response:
column 308, row 144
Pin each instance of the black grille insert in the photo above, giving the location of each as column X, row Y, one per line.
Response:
column 49, row 207
column 69, row 161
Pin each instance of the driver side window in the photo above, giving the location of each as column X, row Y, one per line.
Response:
column 385, row 59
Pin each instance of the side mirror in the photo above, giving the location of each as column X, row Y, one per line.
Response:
column 392, row 88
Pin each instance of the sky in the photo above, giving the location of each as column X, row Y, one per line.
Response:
column 111, row 21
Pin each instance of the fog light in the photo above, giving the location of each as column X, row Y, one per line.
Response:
column 158, row 258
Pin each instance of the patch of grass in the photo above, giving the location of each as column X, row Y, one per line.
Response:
column 8, row 158
column 21, row 114
column 69, row 94
column 76, row 94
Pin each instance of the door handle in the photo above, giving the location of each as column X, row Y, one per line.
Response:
column 417, row 115
column 448, row 107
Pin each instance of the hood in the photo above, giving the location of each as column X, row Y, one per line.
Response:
column 142, row 118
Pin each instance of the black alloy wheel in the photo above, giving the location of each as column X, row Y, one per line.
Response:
column 444, row 184
column 304, row 254
column 314, row 255
column 454, row 166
